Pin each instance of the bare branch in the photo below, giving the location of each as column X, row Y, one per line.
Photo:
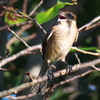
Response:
column 98, row 69
column 77, row 58
column 45, row 78
column 85, row 52
column 94, row 25
column 88, row 25
column 36, row 23
column 21, row 97
column 56, row 85
column 19, row 54
column 41, row 27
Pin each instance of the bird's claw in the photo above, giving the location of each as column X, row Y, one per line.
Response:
column 69, row 68
column 50, row 75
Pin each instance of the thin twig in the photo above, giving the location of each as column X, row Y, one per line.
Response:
column 21, row 97
column 92, row 26
column 85, row 52
column 33, row 21
column 77, row 58
column 98, row 69
column 36, row 23
column 41, row 27
column 32, row 12
column 17, row 37
column 30, row 76
column 85, row 27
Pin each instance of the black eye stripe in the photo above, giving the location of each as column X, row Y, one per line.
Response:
column 70, row 16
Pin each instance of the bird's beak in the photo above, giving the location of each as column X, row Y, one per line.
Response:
column 61, row 16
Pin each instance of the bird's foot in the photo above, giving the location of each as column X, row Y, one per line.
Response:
column 69, row 68
column 50, row 75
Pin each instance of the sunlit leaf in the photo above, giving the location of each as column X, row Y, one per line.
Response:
column 98, row 51
column 51, row 13
column 11, row 18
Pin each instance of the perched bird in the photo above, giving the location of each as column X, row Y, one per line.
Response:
column 57, row 44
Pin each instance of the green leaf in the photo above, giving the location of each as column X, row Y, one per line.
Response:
column 11, row 18
column 98, row 51
column 51, row 13
column 87, row 49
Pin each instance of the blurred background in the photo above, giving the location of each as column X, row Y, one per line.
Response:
column 85, row 88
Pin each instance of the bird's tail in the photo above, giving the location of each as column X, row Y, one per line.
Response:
column 41, row 87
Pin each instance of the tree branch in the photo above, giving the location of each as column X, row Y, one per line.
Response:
column 45, row 78
column 19, row 54
column 56, row 85
column 33, row 48
column 90, row 25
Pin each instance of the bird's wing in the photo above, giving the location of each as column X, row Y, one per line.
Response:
column 47, row 37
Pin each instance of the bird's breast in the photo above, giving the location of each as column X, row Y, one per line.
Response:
column 60, row 42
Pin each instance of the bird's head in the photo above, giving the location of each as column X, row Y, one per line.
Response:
column 66, row 14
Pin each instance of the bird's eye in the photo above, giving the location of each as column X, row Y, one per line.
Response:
column 70, row 16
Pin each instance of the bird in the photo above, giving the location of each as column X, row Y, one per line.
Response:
column 57, row 44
